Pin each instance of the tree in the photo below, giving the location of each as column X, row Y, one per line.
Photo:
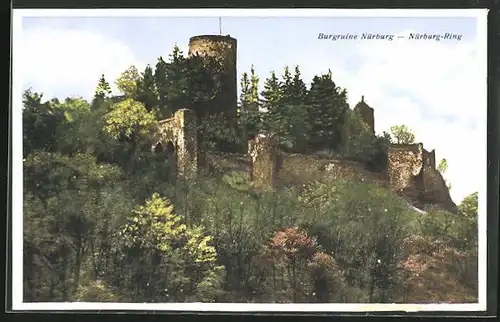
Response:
column 129, row 121
column 285, row 119
column 272, row 93
column 443, row 166
column 103, row 90
column 128, row 82
column 327, row 108
column 249, row 115
column 469, row 209
column 160, row 241
column 161, row 84
column 147, row 92
column 245, row 98
column 253, row 91
column 402, row 134
column 40, row 122
column 67, row 199
column 298, row 88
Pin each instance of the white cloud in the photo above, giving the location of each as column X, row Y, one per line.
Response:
column 65, row 62
column 436, row 88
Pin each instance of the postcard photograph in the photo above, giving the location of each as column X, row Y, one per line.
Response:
column 217, row 158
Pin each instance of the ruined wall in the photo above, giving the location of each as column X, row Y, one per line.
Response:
column 302, row 169
column 429, row 158
column 367, row 113
column 180, row 130
column 412, row 172
column 262, row 152
column 436, row 191
column 405, row 169
column 223, row 49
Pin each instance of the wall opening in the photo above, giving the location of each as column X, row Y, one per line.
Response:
column 171, row 161
column 158, row 148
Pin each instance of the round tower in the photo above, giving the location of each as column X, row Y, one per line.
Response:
column 223, row 49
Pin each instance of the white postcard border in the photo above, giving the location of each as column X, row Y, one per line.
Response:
column 17, row 162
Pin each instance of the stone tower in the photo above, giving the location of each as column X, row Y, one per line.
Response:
column 223, row 48
column 366, row 113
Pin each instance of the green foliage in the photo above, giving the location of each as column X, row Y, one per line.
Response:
column 360, row 144
column 40, row 121
column 147, row 92
column 443, row 166
column 102, row 91
column 95, row 291
column 104, row 221
column 341, row 215
column 286, row 111
column 129, row 119
column 327, row 111
column 459, row 231
column 128, row 82
column 402, row 134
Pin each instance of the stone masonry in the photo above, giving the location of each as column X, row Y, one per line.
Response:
column 411, row 170
column 262, row 151
column 223, row 49
column 180, row 131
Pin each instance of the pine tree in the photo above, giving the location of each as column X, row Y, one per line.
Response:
column 101, row 94
column 289, row 119
column 299, row 90
column 249, row 116
column 171, row 80
column 147, row 92
column 327, row 106
column 245, row 90
column 103, row 89
column 286, row 83
column 160, row 78
column 253, row 94
column 272, row 94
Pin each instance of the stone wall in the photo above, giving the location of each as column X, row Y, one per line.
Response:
column 262, row 152
column 436, row 191
column 180, row 130
column 430, row 159
column 405, row 169
column 411, row 171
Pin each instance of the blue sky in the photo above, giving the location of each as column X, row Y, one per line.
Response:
column 434, row 87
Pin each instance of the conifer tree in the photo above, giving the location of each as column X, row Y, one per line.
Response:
column 245, row 90
column 160, row 77
column 272, row 94
column 286, row 82
column 103, row 89
column 102, row 92
column 253, row 94
column 299, row 90
column 327, row 106
column 147, row 92
column 171, row 80
column 249, row 115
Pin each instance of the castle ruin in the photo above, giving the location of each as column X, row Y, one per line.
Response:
column 177, row 138
column 367, row 113
column 223, row 49
column 410, row 170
